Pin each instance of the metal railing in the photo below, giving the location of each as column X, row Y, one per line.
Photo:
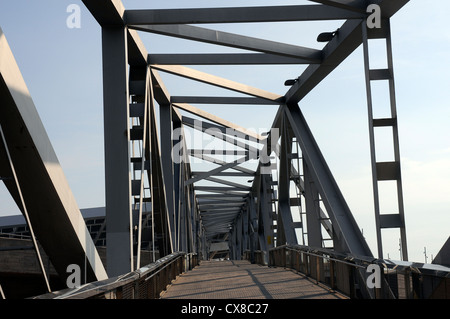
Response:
column 145, row 283
column 350, row 275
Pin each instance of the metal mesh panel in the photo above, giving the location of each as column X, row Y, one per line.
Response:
column 128, row 291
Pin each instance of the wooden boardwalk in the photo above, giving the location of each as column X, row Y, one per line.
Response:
column 243, row 280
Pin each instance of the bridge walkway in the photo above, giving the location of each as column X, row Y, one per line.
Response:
column 232, row 279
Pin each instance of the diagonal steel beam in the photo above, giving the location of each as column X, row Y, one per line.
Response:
column 220, row 100
column 232, row 40
column 107, row 13
column 222, row 133
column 204, row 175
column 225, row 182
column 227, row 174
column 336, row 51
column 217, row 81
column 348, row 39
column 215, row 119
column 347, row 236
column 51, row 206
column 220, row 162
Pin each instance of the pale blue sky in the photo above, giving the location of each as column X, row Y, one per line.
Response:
column 62, row 68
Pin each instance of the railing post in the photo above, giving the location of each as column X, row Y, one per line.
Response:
column 332, row 274
column 317, row 269
column 407, row 275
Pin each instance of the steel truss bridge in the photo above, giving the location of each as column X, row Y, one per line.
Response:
column 157, row 202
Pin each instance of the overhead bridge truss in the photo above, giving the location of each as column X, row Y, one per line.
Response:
column 258, row 190
column 154, row 197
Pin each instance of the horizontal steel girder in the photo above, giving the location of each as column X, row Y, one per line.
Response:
column 239, row 15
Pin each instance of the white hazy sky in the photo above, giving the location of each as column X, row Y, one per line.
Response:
column 62, row 68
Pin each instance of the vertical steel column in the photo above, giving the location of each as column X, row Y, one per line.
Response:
column 183, row 211
column 150, row 151
column 148, row 100
column 119, row 236
column 167, row 162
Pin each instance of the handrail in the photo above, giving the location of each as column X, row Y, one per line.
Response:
column 349, row 274
column 144, row 283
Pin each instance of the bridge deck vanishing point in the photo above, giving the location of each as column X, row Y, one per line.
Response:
column 232, row 279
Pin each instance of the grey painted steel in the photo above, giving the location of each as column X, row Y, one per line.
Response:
column 142, row 92
column 348, row 237
column 164, row 215
column 339, row 48
column 238, row 15
column 228, row 135
column 223, row 59
column 165, row 116
column 183, row 100
column 235, row 129
column 4, row 148
column 285, row 228
column 384, row 171
column 217, row 81
column 334, row 53
column 107, row 13
column 143, row 170
column 313, row 216
column 229, row 210
column 443, row 256
column 119, row 233
column 233, row 40
column 351, row 5
column 51, row 206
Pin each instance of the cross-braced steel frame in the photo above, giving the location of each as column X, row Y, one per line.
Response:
column 155, row 199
